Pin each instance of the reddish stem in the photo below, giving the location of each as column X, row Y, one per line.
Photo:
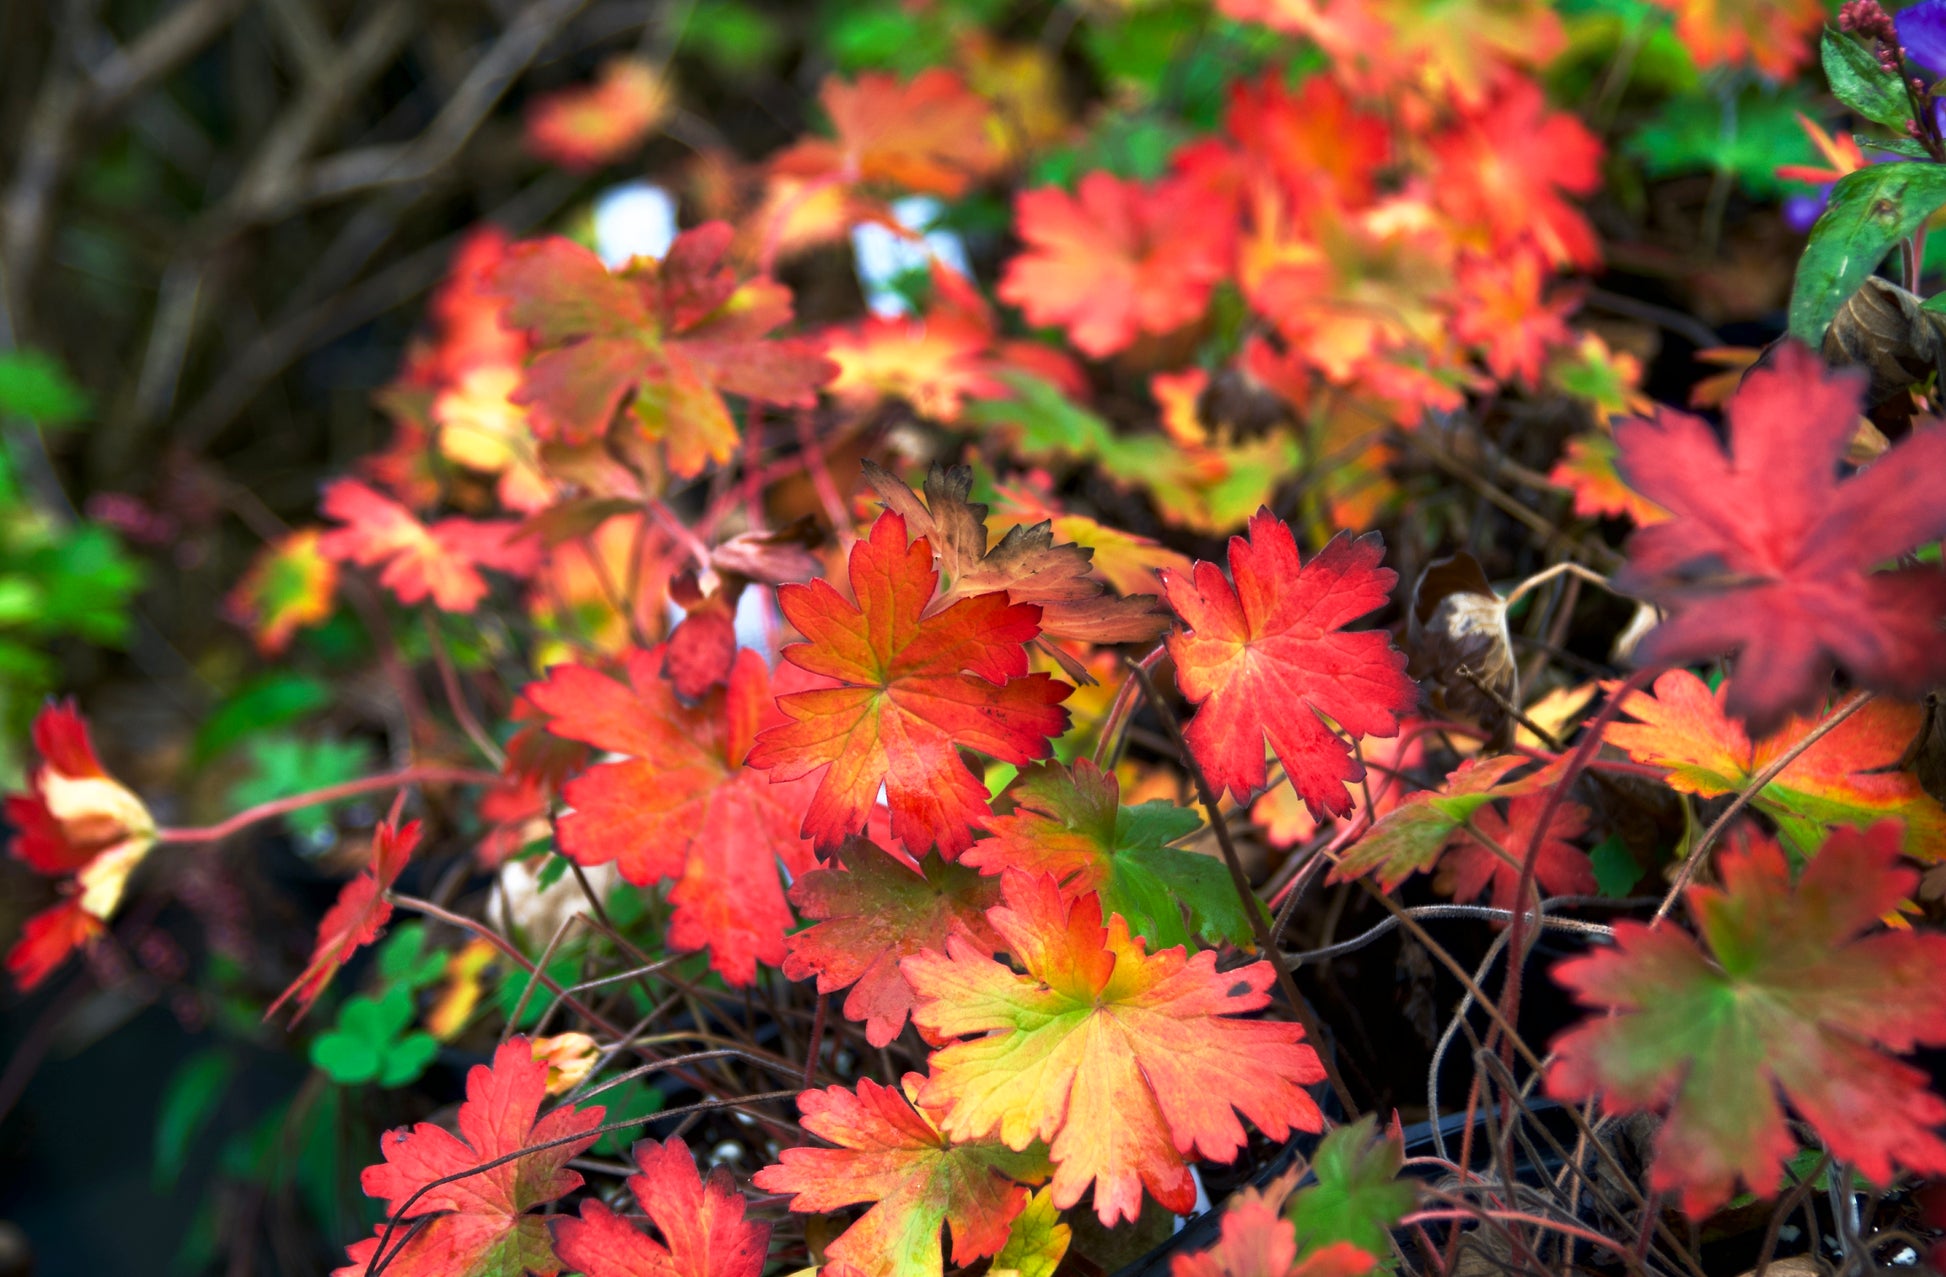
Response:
column 431, row 775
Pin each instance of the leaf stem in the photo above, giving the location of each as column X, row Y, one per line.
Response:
column 428, row 775
column 1750, row 790
column 1252, row 907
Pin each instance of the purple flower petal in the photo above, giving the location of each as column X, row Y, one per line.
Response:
column 1800, row 211
column 1922, row 30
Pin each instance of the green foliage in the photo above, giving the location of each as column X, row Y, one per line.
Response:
column 735, row 39
column 192, row 1096
column 283, row 766
column 371, row 1042
column 275, row 699
column 630, row 1100
column 1358, row 1196
column 33, row 385
column 1870, row 211
column 1861, row 83
column 1616, row 869
column 563, row 969
column 1746, row 137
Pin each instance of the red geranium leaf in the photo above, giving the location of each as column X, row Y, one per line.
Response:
column 1123, row 1062
column 480, row 1225
column 1560, row 868
column 701, row 1222
column 1117, row 259
column 683, row 805
column 1789, row 998
column 584, row 127
column 1852, row 775
column 677, row 334
column 1026, row 563
column 872, row 913
column 1268, row 656
column 1768, row 554
column 354, row 921
column 441, row 561
column 891, row 1154
column 929, row 135
column 1410, row 837
column 916, row 689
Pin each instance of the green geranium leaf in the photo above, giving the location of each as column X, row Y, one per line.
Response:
column 1870, row 211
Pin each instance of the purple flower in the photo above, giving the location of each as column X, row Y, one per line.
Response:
column 1922, row 30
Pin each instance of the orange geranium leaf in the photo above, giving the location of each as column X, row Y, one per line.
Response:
column 1504, row 172
column 1774, row 36
column 701, row 1221
column 1499, row 307
column 1123, row 1062
column 916, row 687
column 1268, row 656
column 1849, row 776
column 480, row 1226
column 873, row 910
column 1789, row 996
column 417, row 561
column 934, row 364
column 928, row 135
column 1026, row 563
column 1476, row 864
column 1117, row 259
column 1316, row 141
column 1587, row 469
column 676, row 335
column 682, row 804
column 355, row 920
column 586, row 126
column 891, row 1154
column 1410, row 837
column 290, row 586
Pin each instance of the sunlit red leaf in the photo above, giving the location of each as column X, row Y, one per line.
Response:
column 1506, row 171
column 1790, row 1000
column 1027, row 562
column 1267, row 656
column 1474, row 867
column 872, row 910
column 668, row 338
column 1117, row 259
column 704, row 1232
column 290, row 586
column 928, row 135
column 892, row 1155
column 682, row 805
column 1123, row 1062
column 1069, row 822
column 589, row 125
column 355, row 920
column 916, row 689
column 480, row 1225
column 1774, row 36
column 1259, row 1241
column 417, row 561
column 46, row 940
